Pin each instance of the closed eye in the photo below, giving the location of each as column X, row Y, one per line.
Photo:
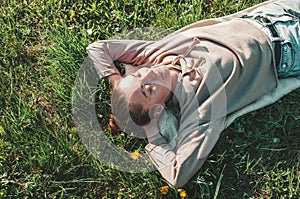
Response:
column 143, row 90
column 147, row 91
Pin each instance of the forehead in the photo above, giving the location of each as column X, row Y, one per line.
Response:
column 131, row 87
column 128, row 82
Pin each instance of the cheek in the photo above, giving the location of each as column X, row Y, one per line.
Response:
column 164, row 91
column 161, row 93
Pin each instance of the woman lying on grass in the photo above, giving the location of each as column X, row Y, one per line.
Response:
column 196, row 77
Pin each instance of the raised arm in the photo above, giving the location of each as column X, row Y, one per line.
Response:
column 178, row 163
column 103, row 54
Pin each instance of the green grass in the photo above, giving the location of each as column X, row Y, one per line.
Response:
column 42, row 47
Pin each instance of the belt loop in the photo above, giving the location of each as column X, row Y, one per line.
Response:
column 275, row 36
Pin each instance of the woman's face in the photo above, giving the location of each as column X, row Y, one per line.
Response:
column 148, row 86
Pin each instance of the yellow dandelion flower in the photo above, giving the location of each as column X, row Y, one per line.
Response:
column 182, row 193
column 164, row 190
column 72, row 14
column 135, row 155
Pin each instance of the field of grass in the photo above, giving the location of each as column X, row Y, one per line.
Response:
column 41, row 156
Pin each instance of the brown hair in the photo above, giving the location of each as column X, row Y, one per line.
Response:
column 127, row 114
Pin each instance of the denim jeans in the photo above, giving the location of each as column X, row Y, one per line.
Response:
column 284, row 15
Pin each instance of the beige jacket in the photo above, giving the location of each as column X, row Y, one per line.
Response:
column 224, row 68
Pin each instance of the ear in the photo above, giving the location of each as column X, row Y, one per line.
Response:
column 156, row 110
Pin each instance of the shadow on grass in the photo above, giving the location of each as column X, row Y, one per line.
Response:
column 256, row 157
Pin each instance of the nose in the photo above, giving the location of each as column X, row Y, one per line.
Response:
column 147, row 89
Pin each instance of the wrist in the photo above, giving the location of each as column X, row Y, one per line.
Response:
column 154, row 137
column 152, row 133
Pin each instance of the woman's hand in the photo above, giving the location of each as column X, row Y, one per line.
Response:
column 152, row 129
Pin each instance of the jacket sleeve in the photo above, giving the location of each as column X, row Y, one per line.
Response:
column 102, row 54
column 180, row 163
